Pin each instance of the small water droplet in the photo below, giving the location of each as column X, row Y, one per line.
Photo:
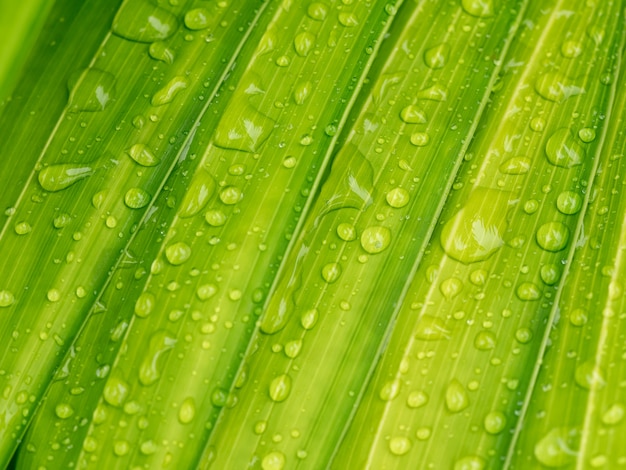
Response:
column 187, row 411
column 558, row 448
column 178, row 253
column 136, row 198
column 553, row 236
column 494, row 422
column 436, row 57
column 456, row 397
column 143, row 155
column 292, row 348
column 145, row 304
column 528, row 291
column 63, row 411
column 348, row 19
column 280, row 387
column 197, row 19
column 555, row 87
column 346, row 232
column 375, row 239
column 167, row 94
column 142, row 21
column 538, row 124
column 416, row 399
column 309, row 319
column 230, row 195
column 451, row 287
column 331, row 272
column 485, row 340
column 420, row 139
column 587, row 134
column 399, row 445
column 550, row 274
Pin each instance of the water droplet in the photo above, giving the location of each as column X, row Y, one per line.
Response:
column 478, row 8
column 485, row 340
column 6, row 298
column 553, row 236
column 550, row 274
column 280, row 387
column 187, row 411
column 375, row 239
column 430, row 328
column 53, row 295
column 555, row 87
column 178, row 253
column 62, row 220
column 348, row 19
column 531, row 206
column 571, row 49
column 494, row 422
column 90, row 444
column 273, row 461
column 436, row 92
column 159, row 51
column 206, row 291
column 200, row 191
column 197, row 19
column 309, row 319
column 346, row 232
column 471, row 462
column 148, row 447
column 578, row 317
column 115, row 391
column 303, row 43
column 142, row 21
column 456, row 397
column 167, row 94
column 587, row 134
column 302, row 92
column 215, row 218
column 589, row 376
column 558, row 448
column 243, row 128
column 354, row 188
column 451, row 287
column 90, row 90
column 416, row 399
column 143, row 155
column 528, row 291
column 292, row 348
column 63, row 411
column 569, row 202
column 399, row 445
column 515, row 166
column 436, row 57
column 397, row 197
column 331, row 272
column 231, row 195
column 614, row 414
column 145, row 304
column 58, row 177
column 389, row 390
column 136, row 198
column 420, row 139
column 317, row 11
column 160, row 342
column 412, row 114
column 538, row 124
column 475, row 232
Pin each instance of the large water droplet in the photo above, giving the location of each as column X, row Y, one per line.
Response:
column 563, row 150
column 349, row 187
column 142, row 21
column 303, row 43
column 273, row 461
column 90, row 90
column 243, row 128
column 555, row 87
column 437, row 92
column 375, row 239
column 399, row 445
column 197, row 19
column 6, row 298
column 145, row 304
column 115, row 391
column 136, row 198
column 141, row 154
column 160, row 51
column 558, row 448
column 436, row 57
column 178, row 253
column 475, row 232
column 456, row 397
column 280, row 387
column 588, row 375
column 478, row 8
column 200, row 191
column 58, row 177
column 553, row 236
column 167, row 94
column 160, row 342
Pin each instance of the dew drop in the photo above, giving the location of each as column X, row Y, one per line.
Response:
column 178, row 253
column 569, row 202
column 200, row 191
column 197, row 19
column 58, row 177
column 145, row 304
column 309, row 319
column 571, row 49
column 485, row 340
column 292, row 348
column 331, row 272
column 243, row 128
column 420, row 139
column 515, row 166
column 167, row 94
column 589, row 376
column 478, row 8
column 587, row 134
column 614, row 414
column 303, row 43
column 412, row 114
column 143, row 155
column 136, row 198
column 375, row 239
column 471, row 462
column 317, row 11
column 63, row 411
column 280, row 387
column 159, row 51
column 397, row 197
column 555, row 87
column 6, row 298
column 160, row 342
column 528, row 291
column 187, row 411
column 553, row 236
column 389, row 390
column 302, row 92
column 495, row 422
column 399, row 445
column 436, row 57
column 231, row 195
column 348, row 19
column 416, row 399
column 115, row 391
column 436, row 92
column 578, row 317
column 346, row 232
column 451, row 287
column 456, row 397
column 273, row 461
column 215, row 218
column 142, row 21
column 558, row 448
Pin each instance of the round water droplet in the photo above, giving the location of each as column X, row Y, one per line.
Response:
column 331, row 272
column 478, row 277
column 61, row 220
column 589, row 376
column 178, row 253
column 148, row 447
column 399, row 445
column 555, row 87
column 348, row 19
column 231, row 195
column 58, row 177
column 206, row 291
column 578, row 317
column 420, row 139
column 494, row 422
column 63, row 411
column 121, row 448
column 515, row 166
column 412, row 114
column 586, row 134
column 6, row 298
column 456, row 397
column 523, row 335
column 397, row 197
column 292, row 348
column 375, row 239
column 451, row 287
column 143, row 155
column 215, row 218
column 553, row 236
column 471, row 462
column 90, row 90
column 478, row 8
column 528, row 291
column 280, row 387
column 436, row 57
column 614, row 414
column 562, row 149
column 317, row 11
column 531, row 206
column 309, row 319
column 538, row 124
column 187, row 411
column 346, row 232
column 273, row 461
column 430, row 328
column 303, row 43
column 558, row 448
column 416, row 399
column 115, row 391
column 90, row 444
column 197, row 19
column 571, row 49
column 136, row 198
column 389, row 390
column 569, row 202
column 53, row 295
column 485, row 340
column 145, row 304
column 142, row 21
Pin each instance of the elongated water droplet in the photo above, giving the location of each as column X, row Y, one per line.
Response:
column 456, row 397
column 302, row 92
column 389, row 390
column 145, row 304
column 309, row 319
column 431, row 328
column 115, row 391
column 437, row 92
column 558, row 448
column 475, row 232
column 243, row 128
column 553, row 236
column 200, row 191
column 197, row 19
column 187, row 411
column 515, row 166
column 160, row 342
column 160, row 51
column 142, row 21
column 303, row 43
column 280, row 387
column 58, row 177
column 167, row 94
column 555, row 87
column 412, row 114
column 90, row 90
column 143, row 155
column 436, row 57
column 478, row 8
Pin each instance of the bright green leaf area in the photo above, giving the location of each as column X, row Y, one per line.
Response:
column 344, row 234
